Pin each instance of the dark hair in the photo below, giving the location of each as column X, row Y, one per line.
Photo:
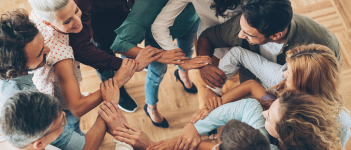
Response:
column 16, row 31
column 307, row 123
column 223, row 5
column 27, row 116
column 268, row 16
column 237, row 135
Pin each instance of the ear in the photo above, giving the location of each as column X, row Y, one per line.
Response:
column 276, row 36
column 38, row 144
column 46, row 23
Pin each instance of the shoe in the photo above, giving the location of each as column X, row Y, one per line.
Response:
column 163, row 124
column 126, row 103
column 214, row 131
column 193, row 88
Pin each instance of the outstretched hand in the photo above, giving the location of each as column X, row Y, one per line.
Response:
column 132, row 136
column 212, row 76
column 175, row 56
column 167, row 144
column 196, row 62
column 200, row 114
column 189, row 138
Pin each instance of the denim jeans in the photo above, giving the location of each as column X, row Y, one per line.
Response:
column 157, row 70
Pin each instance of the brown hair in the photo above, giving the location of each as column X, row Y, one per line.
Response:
column 237, row 135
column 315, row 70
column 305, row 124
column 16, row 31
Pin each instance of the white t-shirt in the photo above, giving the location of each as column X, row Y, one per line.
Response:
column 270, row 51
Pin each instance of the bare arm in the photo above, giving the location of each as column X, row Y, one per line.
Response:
column 95, row 135
column 69, row 87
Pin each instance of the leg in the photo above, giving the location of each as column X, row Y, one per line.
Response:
column 154, row 76
column 126, row 103
column 186, row 43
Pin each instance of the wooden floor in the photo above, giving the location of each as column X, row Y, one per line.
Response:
column 177, row 106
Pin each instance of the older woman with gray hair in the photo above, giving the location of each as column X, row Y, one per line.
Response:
column 60, row 76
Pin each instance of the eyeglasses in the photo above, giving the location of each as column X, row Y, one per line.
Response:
column 64, row 123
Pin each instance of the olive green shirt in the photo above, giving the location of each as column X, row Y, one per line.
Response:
column 302, row 31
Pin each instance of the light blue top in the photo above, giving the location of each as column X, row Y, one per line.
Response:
column 10, row 87
column 246, row 110
column 250, row 111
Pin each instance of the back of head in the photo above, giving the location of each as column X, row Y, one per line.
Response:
column 16, row 31
column 315, row 70
column 268, row 16
column 237, row 135
column 306, row 123
column 28, row 116
column 46, row 9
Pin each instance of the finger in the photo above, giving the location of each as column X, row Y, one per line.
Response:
column 177, row 62
column 207, row 102
column 129, row 63
column 106, row 109
column 219, row 100
column 123, row 139
column 102, row 114
column 111, row 107
column 178, row 50
column 176, row 147
column 135, row 66
column 215, row 103
column 182, row 145
column 110, row 83
column 204, row 115
column 215, row 79
column 179, row 55
column 130, row 127
column 123, row 131
column 220, row 74
column 159, row 55
column 115, row 84
column 102, row 88
column 197, row 118
column 208, row 83
column 125, row 61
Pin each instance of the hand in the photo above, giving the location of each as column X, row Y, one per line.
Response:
column 188, row 139
column 132, row 136
column 146, row 56
column 200, row 114
column 172, row 57
column 196, row 62
column 112, row 116
column 110, row 90
column 167, row 144
column 212, row 100
column 212, row 76
column 126, row 71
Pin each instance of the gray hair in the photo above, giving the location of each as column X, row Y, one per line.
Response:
column 27, row 116
column 46, row 9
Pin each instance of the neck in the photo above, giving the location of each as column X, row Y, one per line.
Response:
column 8, row 146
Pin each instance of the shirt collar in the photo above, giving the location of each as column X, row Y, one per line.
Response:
column 291, row 33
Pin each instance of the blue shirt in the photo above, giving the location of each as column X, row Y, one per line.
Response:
column 10, row 87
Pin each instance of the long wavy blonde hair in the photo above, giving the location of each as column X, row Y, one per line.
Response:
column 315, row 70
column 305, row 124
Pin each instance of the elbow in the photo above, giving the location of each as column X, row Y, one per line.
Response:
column 76, row 111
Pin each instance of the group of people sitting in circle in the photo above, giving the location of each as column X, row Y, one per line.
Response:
column 288, row 64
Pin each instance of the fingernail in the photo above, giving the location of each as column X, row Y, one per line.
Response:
column 137, row 63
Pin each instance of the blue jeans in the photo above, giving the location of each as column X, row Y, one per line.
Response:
column 157, row 70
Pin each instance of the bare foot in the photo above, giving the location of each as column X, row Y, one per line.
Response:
column 154, row 114
column 184, row 76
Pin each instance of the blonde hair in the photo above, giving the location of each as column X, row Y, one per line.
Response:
column 315, row 70
column 47, row 9
column 305, row 124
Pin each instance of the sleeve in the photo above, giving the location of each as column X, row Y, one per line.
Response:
column 58, row 52
column 226, row 34
column 129, row 34
column 69, row 140
column 268, row 72
column 84, row 50
column 246, row 110
column 165, row 19
column 345, row 133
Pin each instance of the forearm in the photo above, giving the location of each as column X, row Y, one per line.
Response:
column 206, row 146
column 250, row 87
column 204, row 47
column 95, row 135
column 84, row 104
column 133, row 52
